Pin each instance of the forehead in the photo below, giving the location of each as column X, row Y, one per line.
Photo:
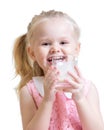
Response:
column 55, row 26
column 53, row 21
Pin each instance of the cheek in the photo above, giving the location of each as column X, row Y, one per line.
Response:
column 40, row 57
column 39, row 53
column 70, row 49
column 42, row 62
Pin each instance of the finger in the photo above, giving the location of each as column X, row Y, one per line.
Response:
column 52, row 72
column 49, row 71
column 74, row 84
column 78, row 71
column 75, row 77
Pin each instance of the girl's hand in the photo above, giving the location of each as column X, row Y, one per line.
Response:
column 50, row 84
column 76, row 85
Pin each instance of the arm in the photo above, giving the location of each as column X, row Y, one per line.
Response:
column 89, row 111
column 33, row 119
column 87, row 107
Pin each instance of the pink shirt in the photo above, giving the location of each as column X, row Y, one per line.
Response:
column 64, row 114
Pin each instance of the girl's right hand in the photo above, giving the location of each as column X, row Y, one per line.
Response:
column 50, row 84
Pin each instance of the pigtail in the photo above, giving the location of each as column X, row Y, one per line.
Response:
column 21, row 61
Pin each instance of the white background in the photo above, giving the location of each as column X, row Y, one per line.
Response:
column 14, row 18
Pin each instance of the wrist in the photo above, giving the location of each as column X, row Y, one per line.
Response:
column 47, row 100
column 78, row 97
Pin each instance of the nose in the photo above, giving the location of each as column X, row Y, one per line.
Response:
column 54, row 49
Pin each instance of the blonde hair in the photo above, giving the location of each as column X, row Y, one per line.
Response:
column 23, row 65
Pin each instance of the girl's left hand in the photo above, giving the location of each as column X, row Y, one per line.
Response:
column 76, row 86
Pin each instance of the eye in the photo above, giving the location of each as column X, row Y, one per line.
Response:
column 46, row 44
column 64, row 42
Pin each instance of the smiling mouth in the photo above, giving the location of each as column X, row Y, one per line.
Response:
column 56, row 59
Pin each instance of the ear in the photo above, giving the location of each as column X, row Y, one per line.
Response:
column 31, row 53
column 77, row 49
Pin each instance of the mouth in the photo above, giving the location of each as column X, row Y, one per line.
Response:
column 55, row 59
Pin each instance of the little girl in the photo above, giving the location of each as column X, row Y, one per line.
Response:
column 45, row 101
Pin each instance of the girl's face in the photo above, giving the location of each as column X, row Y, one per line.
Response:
column 53, row 38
